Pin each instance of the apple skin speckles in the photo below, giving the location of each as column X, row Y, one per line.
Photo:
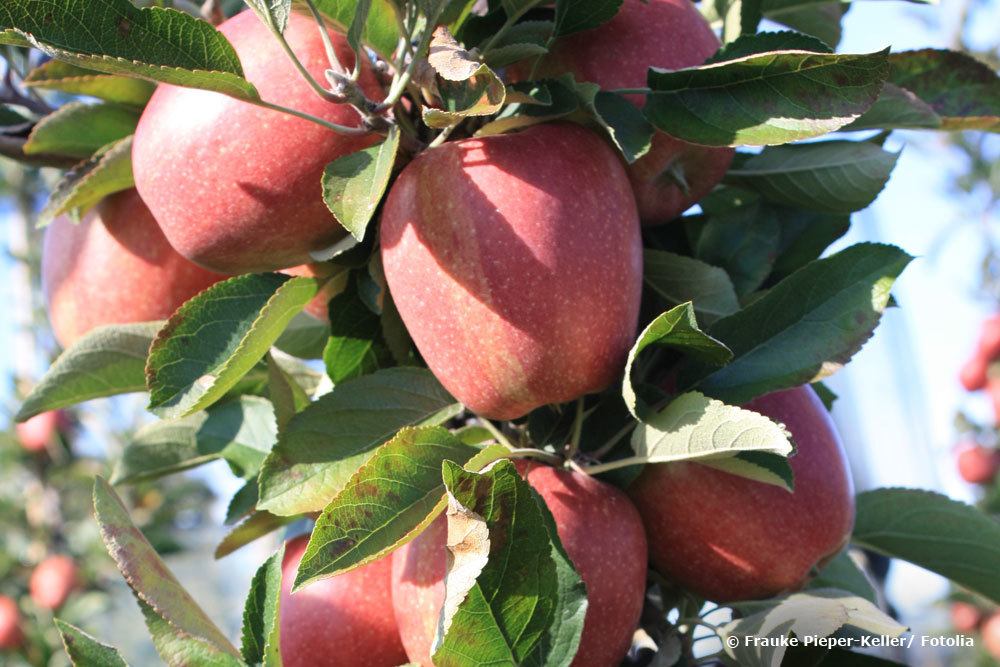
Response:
column 515, row 262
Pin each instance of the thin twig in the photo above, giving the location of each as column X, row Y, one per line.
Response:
column 577, row 433
column 331, row 53
column 340, row 129
column 498, row 434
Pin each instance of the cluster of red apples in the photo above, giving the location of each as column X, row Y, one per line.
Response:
column 978, row 464
column 51, row 583
column 470, row 233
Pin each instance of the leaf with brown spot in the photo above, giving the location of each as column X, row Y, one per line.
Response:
column 504, row 615
column 386, row 503
column 964, row 92
column 324, row 445
column 85, row 651
column 167, row 604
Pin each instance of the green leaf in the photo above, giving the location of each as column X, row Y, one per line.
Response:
column 763, row 467
column 353, row 185
column 828, row 176
column 897, row 109
column 676, row 328
column 501, row 588
column 386, row 503
column 273, row 13
column 769, row 98
column 305, row 336
column 623, row 121
column 215, row 338
column 502, row 56
column 10, row 117
column 260, row 638
column 537, row 102
column 785, row 40
column 81, row 188
column 962, row 91
column 287, row 395
column 115, row 37
column 804, row 237
column 743, row 239
column 79, row 130
column 559, row 645
column 844, row 574
column 326, row 443
column 355, row 346
column 107, row 361
column 242, row 432
column 930, row 530
column 816, row 613
column 179, row 649
column 243, row 502
column 806, row 327
column 678, row 278
column 820, row 18
column 85, row 651
column 154, row 585
column 67, row 78
column 695, row 427
column 256, row 526
column 577, row 15
column 379, row 32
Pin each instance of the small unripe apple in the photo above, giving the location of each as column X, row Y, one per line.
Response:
column 973, row 374
column 52, row 581
column 114, row 267
column 36, row 433
column 668, row 34
column 729, row 538
column 237, row 188
column 515, row 262
column 990, row 631
column 978, row 464
column 344, row 621
column 11, row 635
column 965, row 617
column 603, row 536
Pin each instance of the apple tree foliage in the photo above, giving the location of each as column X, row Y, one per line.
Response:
column 739, row 297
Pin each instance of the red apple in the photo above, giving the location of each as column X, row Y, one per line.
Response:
column 965, row 617
column 345, row 621
column 114, row 267
column 973, row 374
column 36, row 433
column 516, row 264
column 236, row 188
column 729, row 538
column 991, row 635
column 603, row 536
column 11, row 636
column 668, row 34
column 989, row 338
column 52, row 581
column 978, row 464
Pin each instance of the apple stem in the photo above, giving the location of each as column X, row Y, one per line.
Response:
column 442, row 136
column 613, row 440
column 340, row 129
column 631, row 91
column 532, row 453
column 498, row 434
column 574, row 441
column 401, row 81
column 598, row 468
column 331, row 53
column 313, row 83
